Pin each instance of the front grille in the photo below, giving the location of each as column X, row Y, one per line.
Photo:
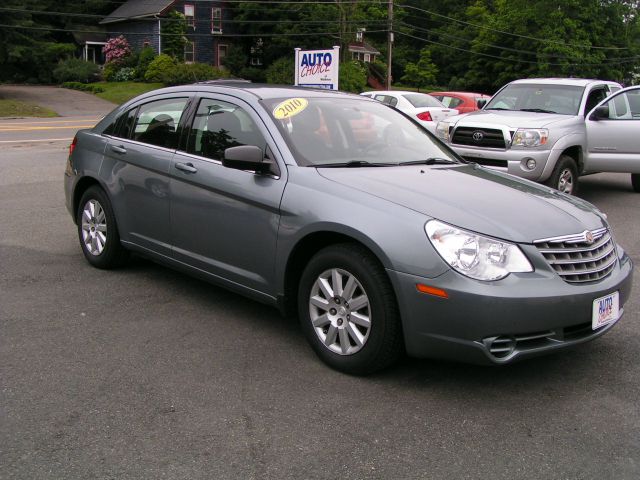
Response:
column 478, row 137
column 487, row 162
column 577, row 260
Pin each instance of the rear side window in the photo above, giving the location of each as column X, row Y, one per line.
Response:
column 156, row 123
column 450, row 102
column 387, row 100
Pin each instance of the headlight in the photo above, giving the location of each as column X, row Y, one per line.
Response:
column 476, row 256
column 442, row 131
column 530, row 137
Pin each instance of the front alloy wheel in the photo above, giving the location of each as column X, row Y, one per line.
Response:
column 339, row 311
column 348, row 310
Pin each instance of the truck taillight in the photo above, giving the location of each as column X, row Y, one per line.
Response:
column 425, row 117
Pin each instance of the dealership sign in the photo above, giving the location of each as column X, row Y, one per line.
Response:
column 317, row 68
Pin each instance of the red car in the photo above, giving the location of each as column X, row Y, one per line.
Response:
column 464, row 102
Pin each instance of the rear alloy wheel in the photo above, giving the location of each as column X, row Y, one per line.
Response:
column 635, row 181
column 565, row 176
column 97, row 230
column 348, row 310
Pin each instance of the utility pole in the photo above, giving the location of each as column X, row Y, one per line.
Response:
column 389, row 45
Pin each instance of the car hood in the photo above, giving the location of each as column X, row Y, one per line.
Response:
column 474, row 198
column 510, row 119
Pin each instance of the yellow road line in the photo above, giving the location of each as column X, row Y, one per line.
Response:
column 45, row 122
column 43, row 128
column 41, row 140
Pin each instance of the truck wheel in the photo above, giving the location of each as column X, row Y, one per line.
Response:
column 564, row 176
column 348, row 310
column 635, row 181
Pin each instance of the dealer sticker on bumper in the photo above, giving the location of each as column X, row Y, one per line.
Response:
column 605, row 310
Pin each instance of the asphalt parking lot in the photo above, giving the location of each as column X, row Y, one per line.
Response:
column 146, row 373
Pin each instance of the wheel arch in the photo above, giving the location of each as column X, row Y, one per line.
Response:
column 309, row 245
column 82, row 186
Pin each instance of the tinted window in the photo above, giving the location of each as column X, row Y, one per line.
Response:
column 220, row 125
column 450, row 102
column 422, row 100
column 387, row 100
column 554, row 98
column 157, row 122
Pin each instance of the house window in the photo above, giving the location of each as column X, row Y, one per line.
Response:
column 189, row 52
column 190, row 14
column 216, row 20
column 256, row 52
column 222, row 52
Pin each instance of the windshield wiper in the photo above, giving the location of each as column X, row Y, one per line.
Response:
column 353, row 164
column 536, row 110
column 430, row 161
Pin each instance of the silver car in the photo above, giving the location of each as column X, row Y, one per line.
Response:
column 349, row 215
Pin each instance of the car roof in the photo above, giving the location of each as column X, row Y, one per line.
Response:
column 578, row 82
column 472, row 94
column 391, row 92
column 257, row 90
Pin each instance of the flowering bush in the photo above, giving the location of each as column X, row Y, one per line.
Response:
column 116, row 49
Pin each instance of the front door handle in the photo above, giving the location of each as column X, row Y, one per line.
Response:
column 186, row 167
column 118, row 149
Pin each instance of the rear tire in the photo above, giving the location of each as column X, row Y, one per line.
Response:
column 635, row 182
column 97, row 230
column 348, row 311
column 565, row 176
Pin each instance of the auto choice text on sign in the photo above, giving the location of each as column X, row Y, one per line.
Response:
column 317, row 68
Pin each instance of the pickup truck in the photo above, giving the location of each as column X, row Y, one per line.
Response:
column 552, row 130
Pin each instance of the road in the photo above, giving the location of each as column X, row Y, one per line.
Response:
column 146, row 373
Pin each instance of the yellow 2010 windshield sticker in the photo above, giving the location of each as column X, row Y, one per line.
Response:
column 289, row 108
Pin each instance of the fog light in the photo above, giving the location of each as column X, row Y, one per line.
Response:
column 530, row 163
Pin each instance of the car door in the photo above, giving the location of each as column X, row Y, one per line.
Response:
column 612, row 142
column 225, row 221
column 136, row 167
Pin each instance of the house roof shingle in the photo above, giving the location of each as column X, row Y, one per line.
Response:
column 137, row 9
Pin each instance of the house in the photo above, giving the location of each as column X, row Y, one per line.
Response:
column 361, row 50
column 140, row 21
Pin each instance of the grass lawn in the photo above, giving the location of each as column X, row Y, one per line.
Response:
column 14, row 108
column 120, row 92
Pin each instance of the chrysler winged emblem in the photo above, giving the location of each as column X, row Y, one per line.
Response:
column 588, row 237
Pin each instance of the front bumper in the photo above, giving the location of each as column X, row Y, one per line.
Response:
column 530, row 313
column 510, row 161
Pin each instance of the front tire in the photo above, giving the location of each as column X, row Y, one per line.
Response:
column 348, row 311
column 635, row 182
column 565, row 176
column 97, row 230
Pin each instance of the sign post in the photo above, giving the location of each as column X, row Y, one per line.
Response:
column 317, row 68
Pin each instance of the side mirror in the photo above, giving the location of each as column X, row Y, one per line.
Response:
column 245, row 157
column 481, row 103
column 600, row 113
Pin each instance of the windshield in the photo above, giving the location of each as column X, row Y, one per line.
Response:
column 422, row 100
column 325, row 131
column 544, row 98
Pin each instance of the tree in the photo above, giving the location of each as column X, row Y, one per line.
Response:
column 422, row 74
column 174, row 32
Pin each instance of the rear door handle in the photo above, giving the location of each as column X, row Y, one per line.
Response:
column 186, row 167
column 118, row 149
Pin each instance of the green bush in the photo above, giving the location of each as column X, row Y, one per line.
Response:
column 195, row 72
column 282, row 71
column 352, row 77
column 147, row 55
column 254, row 74
column 125, row 74
column 109, row 71
column 75, row 70
column 83, row 87
column 161, row 69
